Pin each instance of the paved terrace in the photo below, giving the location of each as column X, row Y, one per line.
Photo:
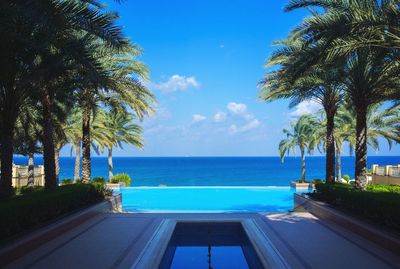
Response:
column 116, row 240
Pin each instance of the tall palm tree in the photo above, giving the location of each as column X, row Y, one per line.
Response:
column 382, row 123
column 371, row 74
column 302, row 134
column 123, row 89
column 73, row 134
column 40, row 45
column 27, row 136
column 344, row 132
column 321, row 84
column 118, row 127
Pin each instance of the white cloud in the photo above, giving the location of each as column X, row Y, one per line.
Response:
column 198, row 118
column 219, row 116
column 306, row 107
column 236, row 108
column 233, row 129
column 250, row 125
column 177, row 83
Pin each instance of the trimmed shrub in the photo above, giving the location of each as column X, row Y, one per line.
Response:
column 379, row 203
column 26, row 189
column 121, row 178
column 99, row 180
column 346, row 178
column 66, row 181
column 25, row 212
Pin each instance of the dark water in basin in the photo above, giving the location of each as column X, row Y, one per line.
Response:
column 206, row 246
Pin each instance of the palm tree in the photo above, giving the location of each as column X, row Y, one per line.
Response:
column 382, row 123
column 118, row 127
column 27, row 137
column 344, row 132
column 40, row 46
column 371, row 75
column 321, row 84
column 303, row 134
column 73, row 134
column 123, row 89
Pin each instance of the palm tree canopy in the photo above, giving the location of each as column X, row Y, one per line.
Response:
column 116, row 127
column 302, row 133
column 382, row 123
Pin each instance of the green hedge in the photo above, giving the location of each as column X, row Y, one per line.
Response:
column 24, row 212
column 121, row 178
column 67, row 181
column 379, row 203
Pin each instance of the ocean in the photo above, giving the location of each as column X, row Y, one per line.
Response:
column 212, row 171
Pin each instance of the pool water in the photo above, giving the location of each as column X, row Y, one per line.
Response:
column 207, row 199
column 206, row 245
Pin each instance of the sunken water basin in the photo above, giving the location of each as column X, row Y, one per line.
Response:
column 198, row 244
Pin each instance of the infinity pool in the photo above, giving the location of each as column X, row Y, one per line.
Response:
column 207, row 199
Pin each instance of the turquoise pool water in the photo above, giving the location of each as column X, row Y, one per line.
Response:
column 207, row 199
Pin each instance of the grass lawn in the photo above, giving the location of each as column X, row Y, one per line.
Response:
column 27, row 211
column 379, row 203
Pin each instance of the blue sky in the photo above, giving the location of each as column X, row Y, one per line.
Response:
column 206, row 58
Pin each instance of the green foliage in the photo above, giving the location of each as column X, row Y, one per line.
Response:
column 25, row 212
column 317, row 181
column 301, row 181
column 101, row 188
column 378, row 203
column 99, row 180
column 347, row 178
column 384, row 188
column 66, row 181
column 26, row 189
column 303, row 134
column 121, row 178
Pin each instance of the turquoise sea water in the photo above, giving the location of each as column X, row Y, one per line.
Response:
column 212, row 171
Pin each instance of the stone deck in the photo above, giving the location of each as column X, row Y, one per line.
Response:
column 116, row 240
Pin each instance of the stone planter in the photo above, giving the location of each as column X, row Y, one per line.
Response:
column 297, row 185
column 115, row 185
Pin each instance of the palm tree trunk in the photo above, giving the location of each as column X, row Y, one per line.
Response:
column 110, row 163
column 48, row 143
column 303, row 163
column 338, row 163
column 361, row 148
column 330, row 146
column 57, row 163
column 77, row 161
column 6, row 145
column 31, row 170
column 86, row 165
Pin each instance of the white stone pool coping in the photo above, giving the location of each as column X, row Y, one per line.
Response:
column 153, row 252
